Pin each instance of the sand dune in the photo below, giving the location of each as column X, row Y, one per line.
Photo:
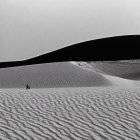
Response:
column 63, row 74
column 112, row 73
column 129, row 69
column 70, row 114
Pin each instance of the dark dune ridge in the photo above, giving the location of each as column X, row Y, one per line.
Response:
column 106, row 49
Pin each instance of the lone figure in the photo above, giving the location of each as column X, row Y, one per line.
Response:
column 27, row 86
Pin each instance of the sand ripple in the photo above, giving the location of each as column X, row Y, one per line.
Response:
column 70, row 114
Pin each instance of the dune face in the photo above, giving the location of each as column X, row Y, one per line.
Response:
column 70, row 114
column 115, row 73
column 50, row 75
column 126, row 69
column 68, row 74
column 123, row 69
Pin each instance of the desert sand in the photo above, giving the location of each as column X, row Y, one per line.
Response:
column 68, row 101
column 124, row 69
column 70, row 114
column 62, row 74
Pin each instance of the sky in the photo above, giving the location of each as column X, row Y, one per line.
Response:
column 29, row 28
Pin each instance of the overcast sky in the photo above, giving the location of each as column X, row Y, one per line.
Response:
column 33, row 27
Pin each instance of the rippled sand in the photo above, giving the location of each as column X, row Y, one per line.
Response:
column 106, row 113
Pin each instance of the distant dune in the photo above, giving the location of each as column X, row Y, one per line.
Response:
column 62, row 74
column 124, row 69
column 116, row 72
column 104, row 49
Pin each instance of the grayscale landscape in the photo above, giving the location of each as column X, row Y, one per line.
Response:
column 70, row 101
column 69, row 70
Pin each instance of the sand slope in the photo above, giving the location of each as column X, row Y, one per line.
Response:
column 112, row 73
column 64, row 74
column 50, row 75
column 129, row 69
column 70, row 114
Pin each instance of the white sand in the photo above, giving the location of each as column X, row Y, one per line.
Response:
column 107, row 110
column 125, row 69
column 113, row 72
column 70, row 114
column 62, row 74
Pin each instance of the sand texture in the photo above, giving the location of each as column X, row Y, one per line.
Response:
column 70, row 114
